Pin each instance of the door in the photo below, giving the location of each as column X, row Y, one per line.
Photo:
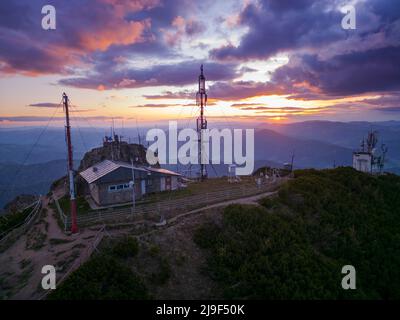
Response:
column 162, row 184
column 143, row 183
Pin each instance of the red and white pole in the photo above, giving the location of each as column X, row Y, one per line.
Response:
column 74, row 225
column 201, row 99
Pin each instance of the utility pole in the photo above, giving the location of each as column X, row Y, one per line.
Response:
column 74, row 225
column 201, row 100
column 292, row 162
column 133, row 188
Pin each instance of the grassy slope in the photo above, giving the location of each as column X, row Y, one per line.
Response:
column 295, row 246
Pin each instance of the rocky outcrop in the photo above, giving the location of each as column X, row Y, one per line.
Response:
column 117, row 151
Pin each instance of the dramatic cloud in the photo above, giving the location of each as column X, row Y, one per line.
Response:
column 347, row 74
column 182, row 28
column 241, row 90
column 250, row 48
column 276, row 26
column 184, row 94
column 82, row 27
column 178, row 74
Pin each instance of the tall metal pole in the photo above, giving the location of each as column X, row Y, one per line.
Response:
column 133, row 188
column 201, row 99
column 74, row 225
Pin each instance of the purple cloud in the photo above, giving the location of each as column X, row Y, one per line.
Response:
column 276, row 26
column 83, row 27
column 178, row 74
column 375, row 70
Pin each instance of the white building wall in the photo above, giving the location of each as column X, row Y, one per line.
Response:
column 174, row 183
column 362, row 162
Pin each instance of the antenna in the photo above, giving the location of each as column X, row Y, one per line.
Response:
column 201, row 100
column 138, row 133
column 291, row 163
column 372, row 140
column 74, row 225
column 113, row 128
column 133, row 188
column 384, row 150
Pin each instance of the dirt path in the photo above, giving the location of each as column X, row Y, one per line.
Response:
column 244, row 200
column 44, row 244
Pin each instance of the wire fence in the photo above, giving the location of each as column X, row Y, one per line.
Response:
column 156, row 211
column 9, row 237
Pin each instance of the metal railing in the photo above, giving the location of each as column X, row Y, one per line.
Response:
column 168, row 207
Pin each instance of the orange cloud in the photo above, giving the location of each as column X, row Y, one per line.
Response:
column 122, row 6
column 123, row 33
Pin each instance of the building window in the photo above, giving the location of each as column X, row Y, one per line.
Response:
column 119, row 187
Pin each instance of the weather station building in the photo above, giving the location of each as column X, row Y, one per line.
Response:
column 112, row 182
column 362, row 161
column 367, row 159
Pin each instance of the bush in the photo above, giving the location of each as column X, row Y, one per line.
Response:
column 125, row 248
column 295, row 246
column 164, row 273
column 101, row 278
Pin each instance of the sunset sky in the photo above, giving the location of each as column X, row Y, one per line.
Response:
column 264, row 61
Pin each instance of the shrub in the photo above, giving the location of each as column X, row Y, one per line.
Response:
column 101, row 278
column 295, row 247
column 125, row 248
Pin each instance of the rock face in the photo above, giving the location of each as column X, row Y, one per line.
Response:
column 117, row 151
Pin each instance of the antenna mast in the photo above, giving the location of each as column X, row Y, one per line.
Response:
column 74, row 225
column 201, row 100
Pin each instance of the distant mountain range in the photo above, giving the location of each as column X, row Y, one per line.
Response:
column 317, row 144
column 308, row 153
column 346, row 134
column 342, row 133
column 29, row 179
